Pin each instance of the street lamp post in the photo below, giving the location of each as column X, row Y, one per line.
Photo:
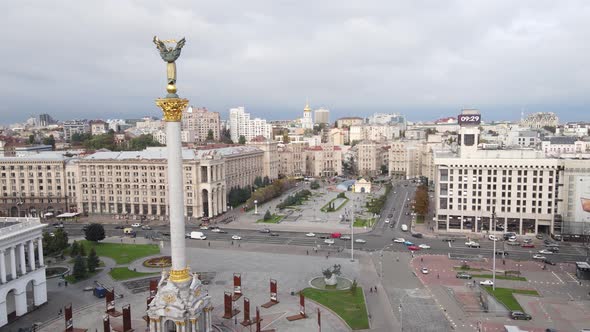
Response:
column 494, row 252
column 255, row 207
column 401, row 317
column 352, row 233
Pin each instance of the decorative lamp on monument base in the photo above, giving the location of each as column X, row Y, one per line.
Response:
column 180, row 304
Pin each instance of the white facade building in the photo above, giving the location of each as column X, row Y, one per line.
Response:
column 22, row 269
column 240, row 124
column 75, row 127
column 307, row 121
column 322, row 115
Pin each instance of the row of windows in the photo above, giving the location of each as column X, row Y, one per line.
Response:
column 30, row 167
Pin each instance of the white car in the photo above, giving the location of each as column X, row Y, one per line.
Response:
column 472, row 244
column 399, row 240
column 493, row 238
column 360, row 241
column 512, row 239
column 486, row 283
column 545, row 252
column 345, row 237
column 329, row 241
column 424, row 270
column 424, row 246
column 216, row 230
column 387, row 221
column 204, row 227
column 310, row 234
column 236, row 237
column 539, row 257
column 136, row 224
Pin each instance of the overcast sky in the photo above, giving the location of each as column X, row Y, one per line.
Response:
column 425, row 59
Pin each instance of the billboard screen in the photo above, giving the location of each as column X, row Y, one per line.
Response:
column 469, row 119
column 582, row 199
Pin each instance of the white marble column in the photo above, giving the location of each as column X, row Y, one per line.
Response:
column 3, row 315
column 224, row 199
column 20, row 302
column 176, row 195
column 40, row 251
column 13, row 262
column 2, row 267
column 31, row 255
column 40, row 293
column 210, row 202
column 22, row 259
column 209, row 326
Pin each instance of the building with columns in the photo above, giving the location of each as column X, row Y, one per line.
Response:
column 22, row 269
column 135, row 182
column 324, row 160
column 271, row 156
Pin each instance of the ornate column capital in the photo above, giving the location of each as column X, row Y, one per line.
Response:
column 172, row 108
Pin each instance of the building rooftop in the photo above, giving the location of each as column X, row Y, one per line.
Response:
column 41, row 156
column 562, row 140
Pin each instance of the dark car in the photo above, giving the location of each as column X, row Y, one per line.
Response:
column 84, row 228
column 539, row 236
column 265, row 230
column 548, row 261
column 417, row 235
column 519, row 315
column 274, row 234
column 553, row 249
column 119, row 227
column 501, row 253
column 448, row 239
column 547, row 241
column 463, row 275
column 324, row 236
column 390, row 215
column 221, row 231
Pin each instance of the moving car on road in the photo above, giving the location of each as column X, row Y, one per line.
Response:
column 424, row 270
column 539, row 257
column 198, row 236
column 360, row 241
column 265, row 230
column 408, row 243
column 274, row 234
column 413, row 248
column 472, row 244
column 404, row 227
column 146, row 227
column 399, row 240
column 135, row 225
column 236, row 237
column 501, row 253
column 329, row 241
column 548, row 261
column 486, row 283
column 545, row 252
column 519, row 315
column 493, row 238
column 387, row 221
column 345, row 237
column 528, row 245
column 310, row 234
column 203, row 227
column 424, row 246
column 448, row 239
column 463, row 275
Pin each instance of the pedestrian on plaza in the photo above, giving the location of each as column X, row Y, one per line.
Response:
column 209, row 244
column 59, row 284
column 60, row 311
column 421, row 259
column 437, row 276
column 239, row 245
column 307, row 251
column 232, row 243
column 66, row 283
column 327, row 256
column 371, row 290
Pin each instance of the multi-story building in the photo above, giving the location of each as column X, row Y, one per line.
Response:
column 135, row 182
column 271, row 156
column 387, row 119
column 374, row 132
column 98, row 127
column 75, row 127
column 242, row 164
column 405, row 159
column 577, row 129
column 292, row 159
column 556, row 146
column 34, row 185
column 338, row 136
column 370, row 157
column 540, row 120
column 197, row 123
column 45, row 120
column 349, row 121
column 322, row 115
column 240, row 124
column 22, row 269
column 323, row 160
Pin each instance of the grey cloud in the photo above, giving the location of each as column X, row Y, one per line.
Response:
column 427, row 58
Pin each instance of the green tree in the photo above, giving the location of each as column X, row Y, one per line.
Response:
column 31, row 139
column 48, row 244
column 75, row 250
column 286, row 138
column 92, row 261
column 50, row 141
column 421, row 201
column 82, row 250
column 267, row 215
column 225, row 137
column 141, row 142
column 60, row 239
column 258, row 182
column 314, row 185
column 242, row 140
column 79, row 268
column 384, row 169
column 210, row 135
column 94, row 232
column 353, row 287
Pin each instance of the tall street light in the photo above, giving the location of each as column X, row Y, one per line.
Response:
column 494, row 252
column 352, row 232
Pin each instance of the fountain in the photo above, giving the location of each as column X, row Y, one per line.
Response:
column 331, row 280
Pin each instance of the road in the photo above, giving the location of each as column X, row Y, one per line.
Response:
column 397, row 211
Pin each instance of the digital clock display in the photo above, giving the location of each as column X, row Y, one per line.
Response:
column 469, row 119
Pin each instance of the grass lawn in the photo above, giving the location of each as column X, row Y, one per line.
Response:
column 325, row 207
column 123, row 273
column 358, row 222
column 419, row 219
column 350, row 307
column 274, row 220
column 122, row 253
column 460, row 268
column 499, row 276
column 504, row 296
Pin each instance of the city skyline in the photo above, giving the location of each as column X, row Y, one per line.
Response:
column 354, row 59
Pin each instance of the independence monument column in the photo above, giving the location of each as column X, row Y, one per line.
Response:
column 179, row 304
